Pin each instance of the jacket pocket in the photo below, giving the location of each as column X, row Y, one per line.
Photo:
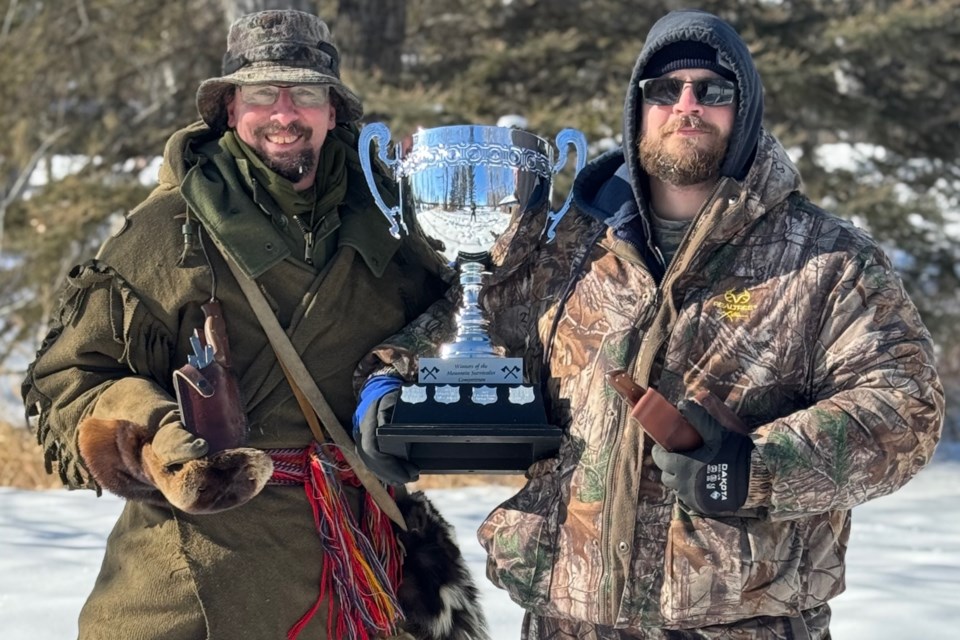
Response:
column 772, row 567
column 703, row 580
column 520, row 539
column 720, row 570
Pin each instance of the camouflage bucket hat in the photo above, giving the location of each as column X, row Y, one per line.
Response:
column 277, row 47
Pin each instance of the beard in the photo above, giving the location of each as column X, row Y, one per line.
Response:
column 291, row 165
column 681, row 161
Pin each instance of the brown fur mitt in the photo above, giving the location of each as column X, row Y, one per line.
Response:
column 120, row 458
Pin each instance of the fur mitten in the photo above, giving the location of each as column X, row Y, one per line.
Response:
column 437, row 593
column 122, row 458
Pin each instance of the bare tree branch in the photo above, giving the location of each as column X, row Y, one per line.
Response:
column 8, row 19
column 21, row 182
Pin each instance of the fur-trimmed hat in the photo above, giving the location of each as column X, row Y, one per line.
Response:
column 687, row 54
column 277, row 47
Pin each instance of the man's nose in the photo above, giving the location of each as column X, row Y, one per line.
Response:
column 688, row 101
column 284, row 110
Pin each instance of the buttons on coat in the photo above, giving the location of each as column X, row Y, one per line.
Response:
column 622, row 547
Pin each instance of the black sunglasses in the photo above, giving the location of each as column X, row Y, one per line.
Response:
column 710, row 92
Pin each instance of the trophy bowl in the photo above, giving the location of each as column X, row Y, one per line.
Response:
column 467, row 182
column 471, row 409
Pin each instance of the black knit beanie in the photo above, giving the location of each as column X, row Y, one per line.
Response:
column 686, row 54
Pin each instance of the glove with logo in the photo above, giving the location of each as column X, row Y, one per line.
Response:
column 170, row 466
column 712, row 479
column 386, row 467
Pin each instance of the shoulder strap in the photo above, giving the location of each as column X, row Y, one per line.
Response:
column 310, row 397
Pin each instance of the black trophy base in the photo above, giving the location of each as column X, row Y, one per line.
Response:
column 504, row 435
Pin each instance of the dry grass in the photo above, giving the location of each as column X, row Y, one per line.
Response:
column 21, row 466
column 452, row 481
column 21, row 460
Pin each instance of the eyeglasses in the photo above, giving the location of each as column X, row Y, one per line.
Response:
column 303, row 95
column 710, row 92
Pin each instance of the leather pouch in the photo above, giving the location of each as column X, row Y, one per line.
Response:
column 663, row 422
column 207, row 390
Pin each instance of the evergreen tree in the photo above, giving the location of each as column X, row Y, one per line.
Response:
column 113, row 79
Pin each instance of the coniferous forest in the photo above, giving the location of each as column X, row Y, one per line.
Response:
column 108, row 81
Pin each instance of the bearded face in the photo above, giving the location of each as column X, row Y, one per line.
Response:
column 293, row 163
column 285, row 133
column 684, row 151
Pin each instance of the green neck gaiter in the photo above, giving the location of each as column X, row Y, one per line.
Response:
column 329, row 188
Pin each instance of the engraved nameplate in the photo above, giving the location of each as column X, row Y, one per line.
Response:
column 521, row 395
column 413, row 394
column 484, row 395
column 470, row 371
column 447, row 394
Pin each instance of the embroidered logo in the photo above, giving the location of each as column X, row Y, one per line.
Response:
column 735, row 306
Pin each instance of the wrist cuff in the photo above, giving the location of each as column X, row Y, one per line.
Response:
column 760, row 486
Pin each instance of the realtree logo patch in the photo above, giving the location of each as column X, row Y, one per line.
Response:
column 735, row 306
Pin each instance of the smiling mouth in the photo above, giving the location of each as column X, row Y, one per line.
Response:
column 282, row 138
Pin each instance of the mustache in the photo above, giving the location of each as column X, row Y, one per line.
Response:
column 292, row 129
column 688, row 122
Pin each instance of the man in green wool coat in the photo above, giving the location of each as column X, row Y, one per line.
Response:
column 221, row 544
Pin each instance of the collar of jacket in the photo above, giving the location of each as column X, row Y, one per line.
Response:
column 231, row 206
column 602, row 190
column 274, row 193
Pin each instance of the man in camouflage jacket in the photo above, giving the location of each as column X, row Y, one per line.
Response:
column 219, row 544
column 693, row 262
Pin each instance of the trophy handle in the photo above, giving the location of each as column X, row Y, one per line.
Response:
column 379, row 132
column 574, row 138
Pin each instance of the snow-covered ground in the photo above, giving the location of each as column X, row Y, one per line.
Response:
column 903, row 563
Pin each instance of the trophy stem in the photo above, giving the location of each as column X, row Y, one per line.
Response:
column 472, row 340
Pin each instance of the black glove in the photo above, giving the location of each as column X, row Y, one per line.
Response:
column 387, row 467
column 713, row 479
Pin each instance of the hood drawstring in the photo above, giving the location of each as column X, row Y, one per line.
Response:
column 192, row 245
column 189, row 232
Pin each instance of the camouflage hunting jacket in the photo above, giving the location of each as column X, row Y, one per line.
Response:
column 792, row 316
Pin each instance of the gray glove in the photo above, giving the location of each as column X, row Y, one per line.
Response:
column 386, row 467
column 713, row 479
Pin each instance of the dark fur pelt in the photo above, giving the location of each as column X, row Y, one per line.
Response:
column 437, row 594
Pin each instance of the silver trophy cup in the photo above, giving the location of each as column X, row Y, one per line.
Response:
column 471, row 410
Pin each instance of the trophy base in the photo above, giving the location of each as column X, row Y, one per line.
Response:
column 469, row 428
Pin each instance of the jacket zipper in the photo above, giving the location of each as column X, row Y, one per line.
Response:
column 645, row 357
column 307, row 233
column 307, row 240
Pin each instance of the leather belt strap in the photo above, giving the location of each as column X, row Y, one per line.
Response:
column 309, row 396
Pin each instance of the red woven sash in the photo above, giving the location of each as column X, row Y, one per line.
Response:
column 361, row 563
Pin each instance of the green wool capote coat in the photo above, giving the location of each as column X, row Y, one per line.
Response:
column 124, row 326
